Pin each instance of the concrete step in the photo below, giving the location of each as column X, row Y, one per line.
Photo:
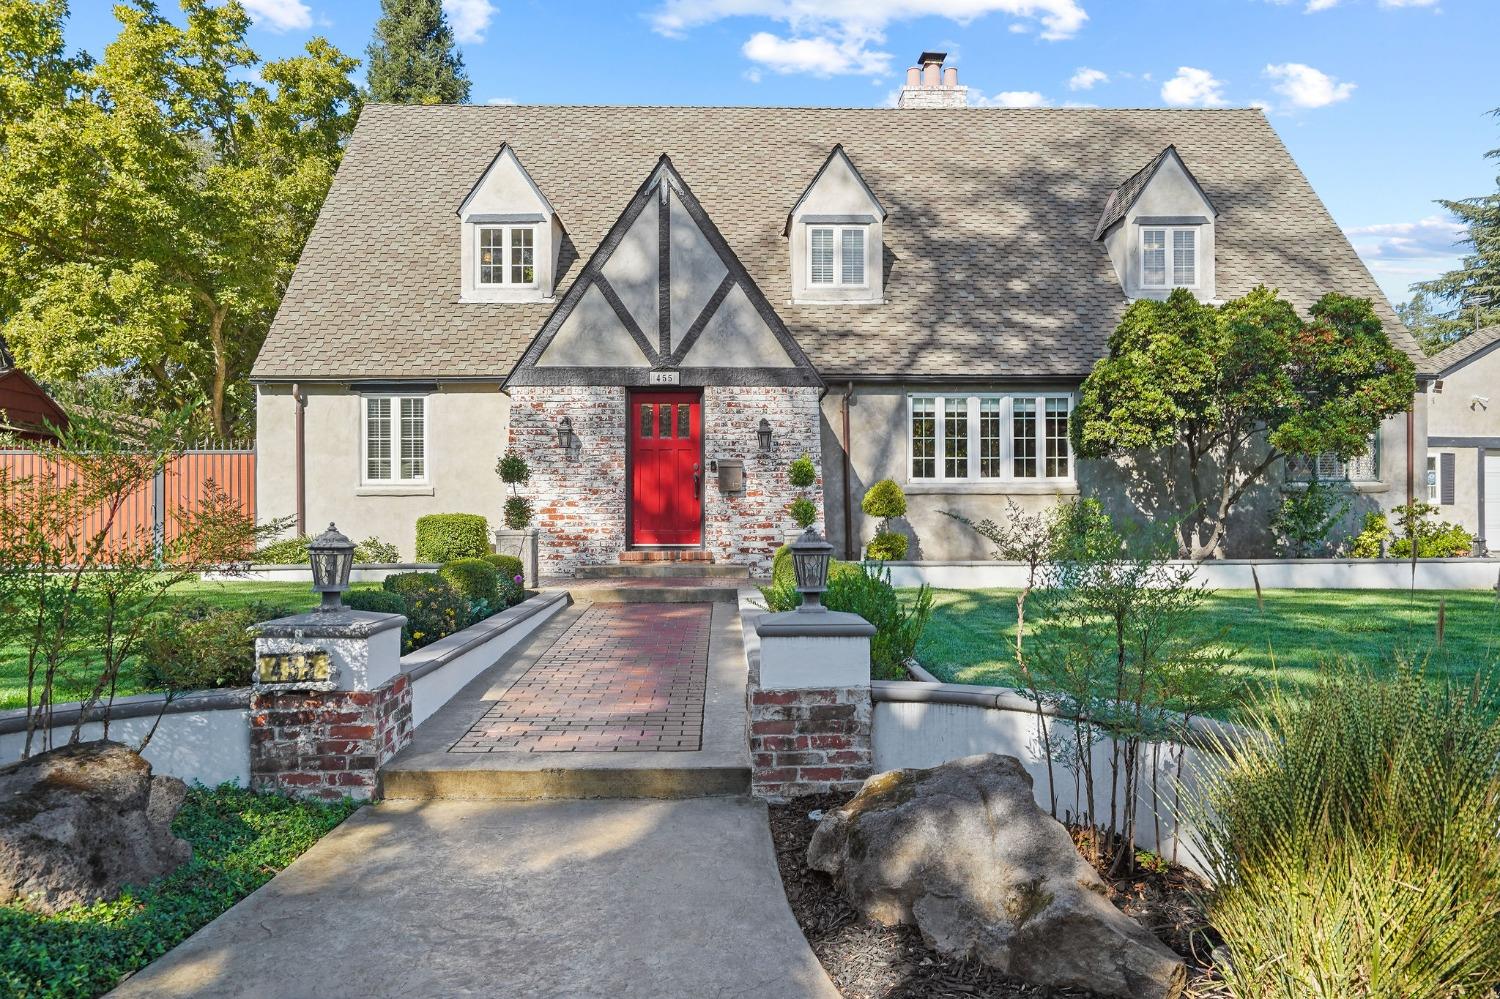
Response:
column 697, row 555
column 501, row 779
column 677, row 590
column 663, row 570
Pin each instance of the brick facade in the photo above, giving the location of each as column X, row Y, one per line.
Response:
column 809, row 741
column 580, row 497
column 327, row 744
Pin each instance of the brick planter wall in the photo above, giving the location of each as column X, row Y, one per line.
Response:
column 809, row 741
column 327, row 744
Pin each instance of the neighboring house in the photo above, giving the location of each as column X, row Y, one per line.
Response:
column 26, row 409
column 1463, row 433
column 629, row 296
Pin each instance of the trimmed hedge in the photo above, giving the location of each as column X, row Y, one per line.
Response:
column 474, row 579
column 376, row 601
column 508, row 566
column 293, row 551
column 443, row 537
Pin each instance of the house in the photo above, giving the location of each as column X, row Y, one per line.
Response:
column 1463, row 433
column 659, row 307
column 26, row 409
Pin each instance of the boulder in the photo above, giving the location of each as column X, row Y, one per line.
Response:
column 963, row 852
column 79, row 823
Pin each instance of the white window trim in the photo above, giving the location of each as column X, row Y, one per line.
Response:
column 505, row 282
column 838, row 256
column 364, row 441
column 971, row 402
column 1171, row 263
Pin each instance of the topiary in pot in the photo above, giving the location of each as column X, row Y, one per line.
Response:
column 443, row 537
column 884, row 500
column 804, row 511
column 518, row 513
column 803, row 475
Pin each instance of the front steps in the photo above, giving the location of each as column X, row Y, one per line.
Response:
column 663, row 570
column 658, row 581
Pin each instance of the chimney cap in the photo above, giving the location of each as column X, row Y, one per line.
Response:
column 931, row 57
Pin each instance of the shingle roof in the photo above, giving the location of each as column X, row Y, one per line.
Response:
column 992, row 270
column 1456, row 354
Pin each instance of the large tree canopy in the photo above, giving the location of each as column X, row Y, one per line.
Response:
column 1228, row 391
column 1454, row 305
column 153, row 204
column 413, row 59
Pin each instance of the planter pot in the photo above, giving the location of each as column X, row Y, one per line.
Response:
column 523, row 545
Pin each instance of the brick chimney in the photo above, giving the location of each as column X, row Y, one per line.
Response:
column 930, row 85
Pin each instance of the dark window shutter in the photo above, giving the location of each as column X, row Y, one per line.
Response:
column 1445, row 478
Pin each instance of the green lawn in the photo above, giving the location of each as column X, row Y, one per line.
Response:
column 293, row 597
column 240, row 839
column 971, row 638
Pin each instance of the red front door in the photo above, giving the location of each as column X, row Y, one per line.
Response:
column 666, row 468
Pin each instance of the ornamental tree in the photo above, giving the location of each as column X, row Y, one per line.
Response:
column 413, row 56
column 1228, row 392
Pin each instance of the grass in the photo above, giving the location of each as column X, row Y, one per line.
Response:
column 971, row 637
column 294, row 597
column 240, row 839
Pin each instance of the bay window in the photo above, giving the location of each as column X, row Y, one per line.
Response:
column 395, row 439
column 990, row 437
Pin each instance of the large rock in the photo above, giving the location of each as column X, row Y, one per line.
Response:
column 963, row 852
column 79, row 823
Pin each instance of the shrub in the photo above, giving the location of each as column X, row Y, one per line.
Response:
column 801, row 472
column 887, row 546
column 1368, row 542
column 804, row 511
column 474, row 579
column 287, row 551
column 433, row 608
column 443, row 537
column 378, row 601
column 512, row 577
column 372, row 549
column 1354, row 850
column 512, row 469
column 884, row 500
column 1305, row 517
column 199, row 646
column 1418, row 521
column 518, row 513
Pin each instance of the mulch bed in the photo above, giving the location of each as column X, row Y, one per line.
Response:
column 867, row 961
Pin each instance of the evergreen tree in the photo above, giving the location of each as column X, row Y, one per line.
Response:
column 413, row 57
column 1470, row 295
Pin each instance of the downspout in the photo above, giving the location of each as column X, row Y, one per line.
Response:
column 301, row 459
column 1411, row 455
column 848, row 493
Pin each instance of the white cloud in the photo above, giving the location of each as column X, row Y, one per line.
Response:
column 832, row 37
column 1433, row 236
column 502, row 101
column 1305, row 87
column 280, row 15
column 1020, row 99
column 1193, row 88
column 469, row 18
column 1087, row 79
column 1313, row 6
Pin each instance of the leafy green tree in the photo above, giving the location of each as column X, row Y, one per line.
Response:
column 1431, row 326
column 1471, row 292
column 1229, row 391
column 153, row 204
column 413, row 58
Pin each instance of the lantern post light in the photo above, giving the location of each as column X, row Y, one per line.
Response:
column 565, row 435
column 763, row 435
column 332, row 556
column 810, row 558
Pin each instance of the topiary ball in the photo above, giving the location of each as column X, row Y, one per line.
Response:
column 887, row 546
column 474, row 579
column 884, row 500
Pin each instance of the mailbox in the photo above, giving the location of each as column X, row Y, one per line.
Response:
column 731, row 475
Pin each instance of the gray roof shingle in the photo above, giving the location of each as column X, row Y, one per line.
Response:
column 1457, row 353
column 991, row 266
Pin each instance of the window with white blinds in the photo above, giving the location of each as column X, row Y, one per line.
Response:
column 995, row 436
column 836, row 256
column 395, row 439
column 1169, row 253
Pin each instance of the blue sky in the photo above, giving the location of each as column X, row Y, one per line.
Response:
column 1382, row 102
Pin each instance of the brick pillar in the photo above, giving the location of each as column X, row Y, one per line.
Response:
column 328, row 737
column 810, row 712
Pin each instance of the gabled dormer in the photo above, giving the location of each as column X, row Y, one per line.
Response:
column 837, row 235
column 511, row 236
column 1158, row 227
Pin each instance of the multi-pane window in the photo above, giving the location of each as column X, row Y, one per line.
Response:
column 991, row 436
column 507, row 255
column 1169, row 253
column 836, row 256
column 395, row 439
column 1328, row 466
column 657, row 420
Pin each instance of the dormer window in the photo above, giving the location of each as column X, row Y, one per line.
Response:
column 506, row 256
column 1169, row 257
column 836, row 256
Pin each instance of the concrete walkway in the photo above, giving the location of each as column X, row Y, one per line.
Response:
column 612, row 899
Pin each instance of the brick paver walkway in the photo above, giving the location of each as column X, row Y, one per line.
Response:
column 623, row 678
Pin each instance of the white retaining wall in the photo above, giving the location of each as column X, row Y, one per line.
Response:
column 302, row 573
column 1240, row 574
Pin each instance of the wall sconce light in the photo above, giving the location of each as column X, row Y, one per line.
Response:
column 763, row 434
column 565, row 435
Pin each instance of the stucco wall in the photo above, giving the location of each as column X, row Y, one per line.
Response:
column 1170, row 193
column 879, row 433
column 466, row 427
column 1467, row 407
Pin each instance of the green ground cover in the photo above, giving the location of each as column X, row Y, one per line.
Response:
column 971, row 637
column 240, row 839
column 294, row 597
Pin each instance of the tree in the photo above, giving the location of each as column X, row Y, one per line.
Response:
column 1471, row 292
column 153, row 204
column 413, row 58
column 1229, row 391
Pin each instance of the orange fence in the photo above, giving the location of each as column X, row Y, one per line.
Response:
column 180, row 486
